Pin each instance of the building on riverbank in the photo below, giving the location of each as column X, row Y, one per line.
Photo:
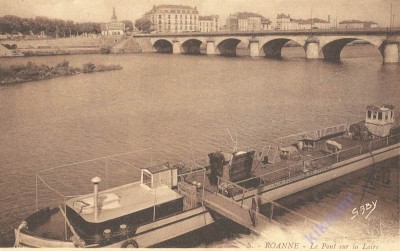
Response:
column 285, row 22
column 357, row 24
column 113, row 28
column 173, row 18
column 208, row 23
column 247, row 21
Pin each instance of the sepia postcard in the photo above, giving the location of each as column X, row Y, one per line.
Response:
column 267, row 124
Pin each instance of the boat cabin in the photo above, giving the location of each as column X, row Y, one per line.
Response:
column 379, row 119
column 160, row 175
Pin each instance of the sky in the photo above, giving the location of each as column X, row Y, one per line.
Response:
column 101, row 10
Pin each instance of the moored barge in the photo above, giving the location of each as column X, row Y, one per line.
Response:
column 163, row 205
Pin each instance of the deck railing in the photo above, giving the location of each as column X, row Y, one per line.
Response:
column 306, row 165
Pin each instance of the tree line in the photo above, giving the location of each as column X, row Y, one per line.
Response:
column 51, row 27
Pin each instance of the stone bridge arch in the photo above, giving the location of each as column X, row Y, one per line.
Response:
column 331, row 48
column 227, row 46
column 162, row 45
column 272, row 47
column 192, row 46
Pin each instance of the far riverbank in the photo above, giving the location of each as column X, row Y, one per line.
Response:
column 73, row 46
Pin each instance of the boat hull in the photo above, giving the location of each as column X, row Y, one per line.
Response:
column 146, row 235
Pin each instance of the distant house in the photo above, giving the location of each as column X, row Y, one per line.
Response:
column 247, row 21
column 357, row 24
column 370, row 24
column 208, row 23
column 113, row 28
column 316, row 23
column 285, row 22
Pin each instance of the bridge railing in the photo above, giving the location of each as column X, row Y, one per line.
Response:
column 379, row 30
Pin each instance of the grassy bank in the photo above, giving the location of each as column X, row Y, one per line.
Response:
column 34, row 72
column 54, row 52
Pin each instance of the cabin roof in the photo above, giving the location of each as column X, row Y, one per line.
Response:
column 130, row 199
column 380, row 108
column 159, row 168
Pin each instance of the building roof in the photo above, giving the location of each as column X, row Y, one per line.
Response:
column 245, row 15
column 112, row 26
column 356, row 22
column 282, row 16
column 266, row 21
column 314, row 21
column 172, row 6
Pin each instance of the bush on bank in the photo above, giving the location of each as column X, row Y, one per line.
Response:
column 90, row 67
column 32, row 72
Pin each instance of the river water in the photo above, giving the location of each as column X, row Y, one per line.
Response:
column 184, row 103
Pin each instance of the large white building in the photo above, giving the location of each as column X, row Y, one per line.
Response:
column 208, row 23
column 173, row 18
column 113, row 28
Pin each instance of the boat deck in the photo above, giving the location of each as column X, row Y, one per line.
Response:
column 305, row 160
column 309, row 158
column 115, row 203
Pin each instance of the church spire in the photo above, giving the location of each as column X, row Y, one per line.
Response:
column 114, row 17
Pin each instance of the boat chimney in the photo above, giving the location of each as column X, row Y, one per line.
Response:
column 96, row 180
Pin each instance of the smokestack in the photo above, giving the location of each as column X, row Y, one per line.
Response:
column 96, row 180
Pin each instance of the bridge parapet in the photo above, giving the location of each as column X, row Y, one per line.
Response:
column 395, row 31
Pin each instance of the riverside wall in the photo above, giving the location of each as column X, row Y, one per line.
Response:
column 86, row 45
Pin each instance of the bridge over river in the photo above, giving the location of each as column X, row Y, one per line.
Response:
column 317, row 44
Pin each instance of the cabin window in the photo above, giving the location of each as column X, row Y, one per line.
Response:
column 147, row 179
column 391, row 114
column 386, row 115
column 369, row 114
column 380, row 115
column 374, row 115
